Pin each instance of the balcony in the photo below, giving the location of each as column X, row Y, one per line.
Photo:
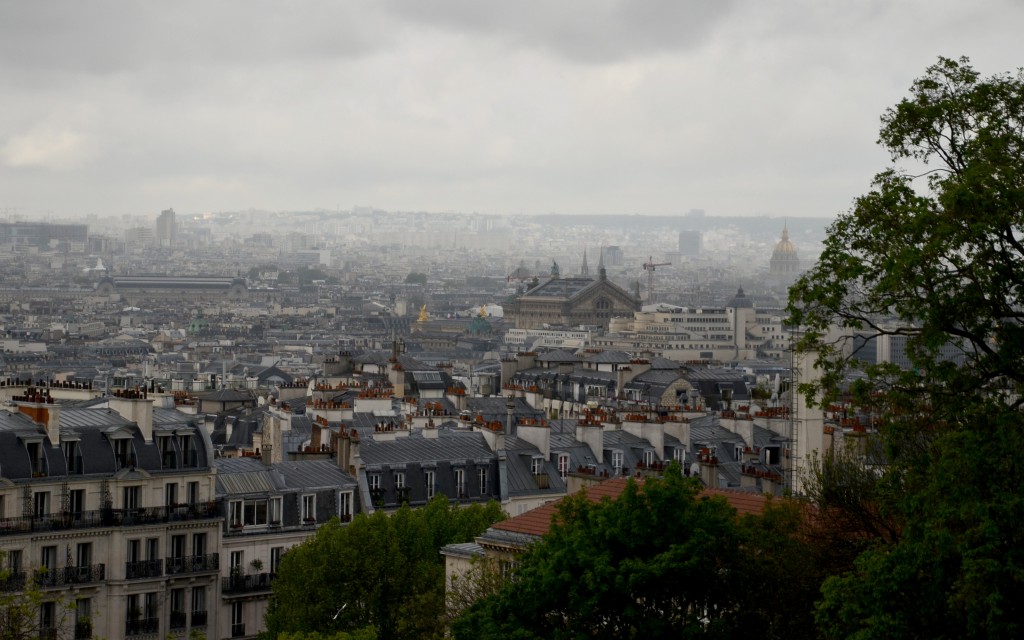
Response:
column 14, row 581
column 143, row 569
column 141, row 626
column 239, row 584
column 199, row 618
column 193, row 564
column 177, row 620
column 108, row 518
column 63, row 576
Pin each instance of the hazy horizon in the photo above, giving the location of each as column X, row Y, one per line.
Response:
column 581, row 107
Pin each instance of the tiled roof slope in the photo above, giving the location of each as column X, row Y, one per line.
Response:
column 537, row 522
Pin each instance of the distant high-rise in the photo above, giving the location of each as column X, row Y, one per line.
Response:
column 165, row 228
column 612, row 256
column 690, row 243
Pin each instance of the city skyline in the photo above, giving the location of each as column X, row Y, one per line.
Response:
column 657, row 108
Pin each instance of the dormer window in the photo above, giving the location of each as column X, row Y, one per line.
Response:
column 123, row 453
column 617, row 459
column 737, row 452
column 188, row 451
column 679, row 454
column 168, row 455
column 563, row 465
column 72, row 456
column 536, row 466
column 36, row 459
column 399, row 479
column 648, row 458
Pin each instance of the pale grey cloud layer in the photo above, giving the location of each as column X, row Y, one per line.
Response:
column 577, row 106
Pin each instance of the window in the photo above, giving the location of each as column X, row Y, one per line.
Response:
column 41, row 504
column 399, row 479
column 188, row 451
column 374, row 480
column 481, row 476
column 275, row 558
column 193, row 493
column 123, row 453
column 679, row 454
column 3, row 507
column 177, row 607
column 168, row 456
column 152, row 548
column 648, row 458
column 171, row 494
column 251, row 512
column 254, row 512
column 428, row 479
column 309, row 508
column 737, row 451
column 617, row 461
column 460, row 483
column 47, row 620
column 83, row 554
column 72, row 456
column 237, row 626
column 14, row 560
column 199, row 544
column 130, row 498
column 36, row 458
column 134, row 550
column 83, row 618
column 76, row 503
column 48, row 557
column 536, row 466
column 177, row 548
column 275, row 511
column 345, row 506
column 563, row 465
column 198, row 606
column 237, row 559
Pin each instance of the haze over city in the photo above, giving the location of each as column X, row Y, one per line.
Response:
column 736, row 107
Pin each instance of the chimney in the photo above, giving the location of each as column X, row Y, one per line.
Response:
column 652, row 432
column 592, row 435
column 539, row 435
column 42, row 410
column 135, row 405
column 508, row 370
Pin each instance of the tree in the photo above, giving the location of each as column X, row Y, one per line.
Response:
column 22, row 603
column 380, row 572
column 933, row 255
column 659, row 561
column 416, row 278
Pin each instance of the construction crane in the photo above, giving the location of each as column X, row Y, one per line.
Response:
column 649, row 267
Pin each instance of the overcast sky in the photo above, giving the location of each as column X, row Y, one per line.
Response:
column 738, row 107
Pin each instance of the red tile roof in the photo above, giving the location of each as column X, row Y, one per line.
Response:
column 537, row 522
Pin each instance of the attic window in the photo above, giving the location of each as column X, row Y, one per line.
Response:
column 36, row 458
column 563, row 465
column 648, row 458
column 536, row 466
column 617, row 461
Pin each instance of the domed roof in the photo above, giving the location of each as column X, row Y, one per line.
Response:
column 784, row 248
column 740, row 301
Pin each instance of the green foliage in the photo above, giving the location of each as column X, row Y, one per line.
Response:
column 416, row 278
column 936, row 258
column 380, row 572
column 657, row 562
column 20, row 601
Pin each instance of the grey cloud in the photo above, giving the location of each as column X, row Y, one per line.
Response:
column 586, row 31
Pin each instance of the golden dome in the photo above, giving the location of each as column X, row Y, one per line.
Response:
column 784, row 248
